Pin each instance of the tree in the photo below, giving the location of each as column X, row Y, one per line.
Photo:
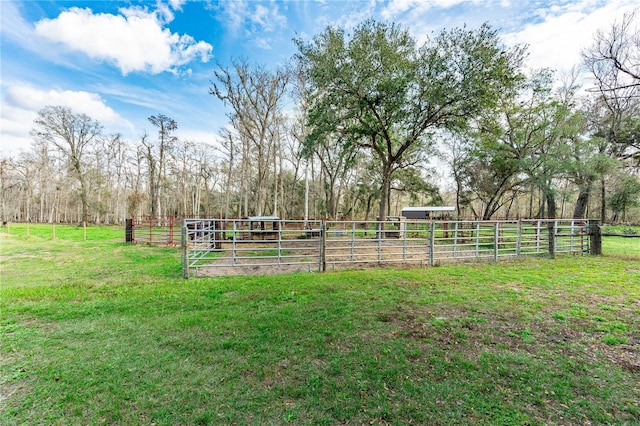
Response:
column 614, row 62
column 336, row 160
column 545, row 129
column 256, row 97
column 616, row 52
column 115, row 151
column 624, row 196
column 73, row 136
column 156, row 155
column 456, row 153
column 385, row 94
column 413, row 183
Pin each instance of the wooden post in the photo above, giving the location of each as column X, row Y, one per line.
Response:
column 128, row 232
column 595, row 237
column 170, row 242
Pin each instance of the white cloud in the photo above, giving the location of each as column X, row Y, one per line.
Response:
column 253, row 18
column 30, row 98
column 263, row 43
column 177, row 4
column 395, row 8
column 199, row 136
column 268, row 19
column 13, row 26
column 135, row 40
column 556, row 41
column 21, row 103
column 358, row 15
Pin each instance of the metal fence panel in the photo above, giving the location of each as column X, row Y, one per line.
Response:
column 246, row 246
column 219, row 244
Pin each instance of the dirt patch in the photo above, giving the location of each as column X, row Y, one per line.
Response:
column 272, row 257
column 475, row 332
column 218, row 271
column 13, row 391
column 626, row 356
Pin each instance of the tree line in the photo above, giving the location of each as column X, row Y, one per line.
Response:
column 358, row 125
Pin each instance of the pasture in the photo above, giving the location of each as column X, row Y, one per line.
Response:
column 98, row 331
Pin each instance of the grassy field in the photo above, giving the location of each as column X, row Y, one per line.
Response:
column 100, row 332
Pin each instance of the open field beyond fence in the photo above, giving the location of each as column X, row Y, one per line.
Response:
column 102, row 332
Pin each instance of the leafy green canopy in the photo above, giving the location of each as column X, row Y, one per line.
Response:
column 380, row 91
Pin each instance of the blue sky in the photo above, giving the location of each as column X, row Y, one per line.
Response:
column 122, row 61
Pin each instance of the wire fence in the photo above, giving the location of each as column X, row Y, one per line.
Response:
column 242, row 246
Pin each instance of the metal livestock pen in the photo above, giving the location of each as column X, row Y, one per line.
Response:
column 218, row 247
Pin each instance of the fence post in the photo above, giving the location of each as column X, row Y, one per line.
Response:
column 233, row 243
column 573, row 222
column 279, row 242
column 495, row 242
column 552, row 238
column 402, row 228
column 431, row 242
column 353, row 239
column 380, row 231
column 323, row 247
column 128, row 230
column 185, row 254
column 518, row 238
column 170, row 242
column 455, row 239
column 595, row 236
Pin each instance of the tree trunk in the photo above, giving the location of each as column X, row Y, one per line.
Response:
column 581, row 203
column 368, row 210
column 331, row 201
column 531, row 202
column 458, row 191
column 384, row 192
column 551, row 205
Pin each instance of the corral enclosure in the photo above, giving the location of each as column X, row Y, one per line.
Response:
column 270, row 245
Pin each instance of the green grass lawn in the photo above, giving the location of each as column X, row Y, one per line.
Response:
column 103, row 332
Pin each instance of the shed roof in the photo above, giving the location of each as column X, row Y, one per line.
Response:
column 262, row 218
column 429, row 209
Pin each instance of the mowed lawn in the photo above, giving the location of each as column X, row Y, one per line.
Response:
column 100, row 332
